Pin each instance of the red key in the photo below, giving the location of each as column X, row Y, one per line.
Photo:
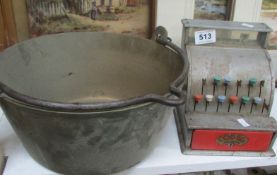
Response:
column 234, row 99
column 198, row 98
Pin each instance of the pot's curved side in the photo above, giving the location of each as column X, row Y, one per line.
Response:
column 87, row 143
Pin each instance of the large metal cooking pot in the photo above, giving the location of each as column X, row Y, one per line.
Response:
column 90, row 103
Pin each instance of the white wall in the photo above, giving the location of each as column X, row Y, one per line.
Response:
column 247, row 10
column 170, row 13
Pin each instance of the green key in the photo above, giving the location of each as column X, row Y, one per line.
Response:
column 252, row 81
column 217, row 79
column 245, row 99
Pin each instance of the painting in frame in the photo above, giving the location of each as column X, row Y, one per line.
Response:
column 135, row 17
column 214, row 9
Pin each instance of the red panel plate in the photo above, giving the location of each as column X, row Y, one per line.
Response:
column 230, row 140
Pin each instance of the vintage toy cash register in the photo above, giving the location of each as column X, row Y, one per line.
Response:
column 230, row 90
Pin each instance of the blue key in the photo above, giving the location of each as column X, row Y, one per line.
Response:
column 227, row 80
column 221, row 98
column 258, row 100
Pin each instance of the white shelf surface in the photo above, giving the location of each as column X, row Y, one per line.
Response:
column 166, row 158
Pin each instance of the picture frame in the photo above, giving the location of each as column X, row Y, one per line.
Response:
column 214, row 9
column 135, row 17
column 8, row 33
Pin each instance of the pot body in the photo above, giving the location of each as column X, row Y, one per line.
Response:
column 89, row 103
column 87, row 143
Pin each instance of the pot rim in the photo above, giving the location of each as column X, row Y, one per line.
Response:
column 165, row 99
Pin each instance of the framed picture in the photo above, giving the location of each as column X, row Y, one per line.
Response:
column 8, row 34
column 214, row 9
column 136, row 17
